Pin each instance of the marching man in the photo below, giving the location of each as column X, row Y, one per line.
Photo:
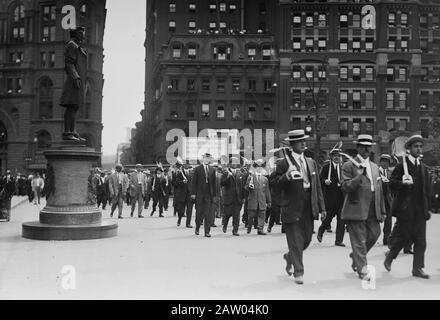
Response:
column 364, row 206
column 411, row 183
column 298, row 177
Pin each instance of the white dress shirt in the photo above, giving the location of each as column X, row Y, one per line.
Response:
column 415, row 161
column 299, row 158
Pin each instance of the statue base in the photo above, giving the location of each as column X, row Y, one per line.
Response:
column 71, row 212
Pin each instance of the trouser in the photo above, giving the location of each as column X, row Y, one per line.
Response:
column 274, row 215
column 258, row 213
column 363, row 236
column 101, row 199
column 299, row 236
column 387, row 228
column 158, row 199
column 232, row 210
column 146, row 201
column 117, row 201
column 179, row 208
column 166, row 199
column 407, row 231
column 340, row 224
column 140, row 201
column 189, row 209
column 204, row 213
column 37, row 194
column 70, row 117
column 128, row 198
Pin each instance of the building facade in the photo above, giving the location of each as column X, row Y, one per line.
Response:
column 335, row 68
column 32, row 76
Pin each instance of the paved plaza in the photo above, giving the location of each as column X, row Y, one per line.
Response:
column 152, row 258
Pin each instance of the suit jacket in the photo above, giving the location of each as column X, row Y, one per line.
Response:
column 358, row 193
column 275, row 190
column 135, row 190
column 75, row 60
column 386, row 189
column 293, row 191
column 260, row 195
column 159, row 184
column 404, row 193
column 180, row 187
column 200, row 189
column 232, row 187
column 333, row 195
column 113, row 184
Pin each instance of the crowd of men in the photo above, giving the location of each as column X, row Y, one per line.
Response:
column 292, row 192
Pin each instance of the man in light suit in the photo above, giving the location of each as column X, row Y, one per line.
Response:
column 259, row 198
column 364, row 205
column 138, row 188
column 118, row 185
column 203, row 192
column 298, row 178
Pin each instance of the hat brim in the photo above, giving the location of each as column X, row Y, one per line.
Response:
column 296, row 139
column 368, row 144
column 410, row 142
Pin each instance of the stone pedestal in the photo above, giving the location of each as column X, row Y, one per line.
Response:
column 71, row 212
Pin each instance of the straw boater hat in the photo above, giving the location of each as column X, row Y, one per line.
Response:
column 385, row 157
column 413, row 139
column 259, row 163
column 296, row 135
column 158, row 169
column 365, row 140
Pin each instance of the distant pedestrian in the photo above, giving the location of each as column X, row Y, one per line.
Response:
column 37, row 187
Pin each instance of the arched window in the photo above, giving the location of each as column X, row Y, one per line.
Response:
column 17, row 24
column 44, row 140
column 45, row 93
column 88, row 102
column 83, row 10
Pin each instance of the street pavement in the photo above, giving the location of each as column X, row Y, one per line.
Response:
column 152, row 258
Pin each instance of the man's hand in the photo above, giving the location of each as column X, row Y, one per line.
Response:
column 269, row 205
column 382, row 218
column 77, row 83
column 361, row 171
column 327, row 182
column 323, row 215
column 407, row 180
column 193, row 197
column 429, row 214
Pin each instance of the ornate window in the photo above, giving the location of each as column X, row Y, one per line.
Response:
column 48, row 23
column 17, row 24
column 45, row 103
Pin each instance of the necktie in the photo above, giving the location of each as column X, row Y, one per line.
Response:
column 304, row 173
column 206, row 173
column 154, row 182
column 339, row 172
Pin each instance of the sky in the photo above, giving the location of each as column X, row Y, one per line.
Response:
column 124, row 70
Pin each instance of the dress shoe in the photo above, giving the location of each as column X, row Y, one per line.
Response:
column 178, row 223
column 339, row 244
column 353, row 266
column 197, row 232
column 319, row 236
column 248, row 231
column 419, row 273
column 329, row 230
column 131, row 214
column 151, row 214
column 207, row 235
column 76, row 135
column 224, row 229
column 278, row 223
column 408, row 251
column 299, row 280
column 161, row 216
column 111, row 215
column 141, row 216
column 269, row 230
column 120, row 217
column 213, row 226
column 364, row 276
column 235, row 234
column 387, row 263
column 261, row 233
column 189, row 226
column 288, row 264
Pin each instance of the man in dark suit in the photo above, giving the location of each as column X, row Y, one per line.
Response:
column 180, row 183
column 203, row 192
column 299, row 179
column 411, row 205
column 232, row 195
column 275, row 194
column 333, row 197
column 189, row 201
column 385, row 173
column 364, row 206
column 157, row 189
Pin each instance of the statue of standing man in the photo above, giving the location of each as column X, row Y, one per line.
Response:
column 73, row 96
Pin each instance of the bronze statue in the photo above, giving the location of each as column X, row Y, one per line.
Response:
column 75, row 59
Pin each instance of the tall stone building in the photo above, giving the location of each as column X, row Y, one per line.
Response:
column 32, row 75
column 334, row 68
